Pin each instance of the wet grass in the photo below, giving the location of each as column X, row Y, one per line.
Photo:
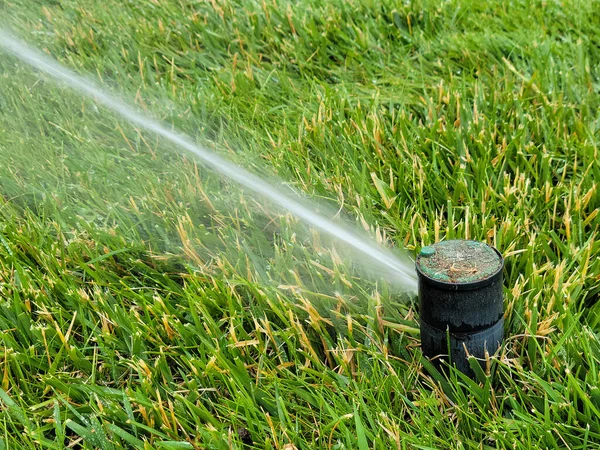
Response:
column 146, row 303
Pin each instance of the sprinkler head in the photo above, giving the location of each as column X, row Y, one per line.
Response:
column 460, row 301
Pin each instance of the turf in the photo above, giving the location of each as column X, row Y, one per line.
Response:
column 147, row 303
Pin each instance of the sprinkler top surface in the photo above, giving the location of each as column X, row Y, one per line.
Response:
column 459, row 261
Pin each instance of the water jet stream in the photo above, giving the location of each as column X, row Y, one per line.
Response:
column 402, row 272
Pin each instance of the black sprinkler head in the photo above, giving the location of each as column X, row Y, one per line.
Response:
column 460, row 301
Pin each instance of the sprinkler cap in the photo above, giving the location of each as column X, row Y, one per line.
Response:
column 460, row 286
column 459, row 262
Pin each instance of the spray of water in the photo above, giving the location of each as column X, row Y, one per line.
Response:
column 401, row 271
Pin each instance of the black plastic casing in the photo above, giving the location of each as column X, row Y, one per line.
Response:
column 458, row 319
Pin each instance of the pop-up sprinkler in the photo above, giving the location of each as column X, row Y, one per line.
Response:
column 460, row 299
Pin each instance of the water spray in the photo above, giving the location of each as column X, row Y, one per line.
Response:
column 397, row 269
column 460, row 301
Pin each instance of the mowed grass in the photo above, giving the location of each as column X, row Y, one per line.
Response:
column 147, row 303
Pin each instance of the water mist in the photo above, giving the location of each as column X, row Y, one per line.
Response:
column 396, row 268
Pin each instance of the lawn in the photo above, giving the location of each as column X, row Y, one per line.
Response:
column 148, row 302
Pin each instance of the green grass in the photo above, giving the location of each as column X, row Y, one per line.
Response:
column 147, row 303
